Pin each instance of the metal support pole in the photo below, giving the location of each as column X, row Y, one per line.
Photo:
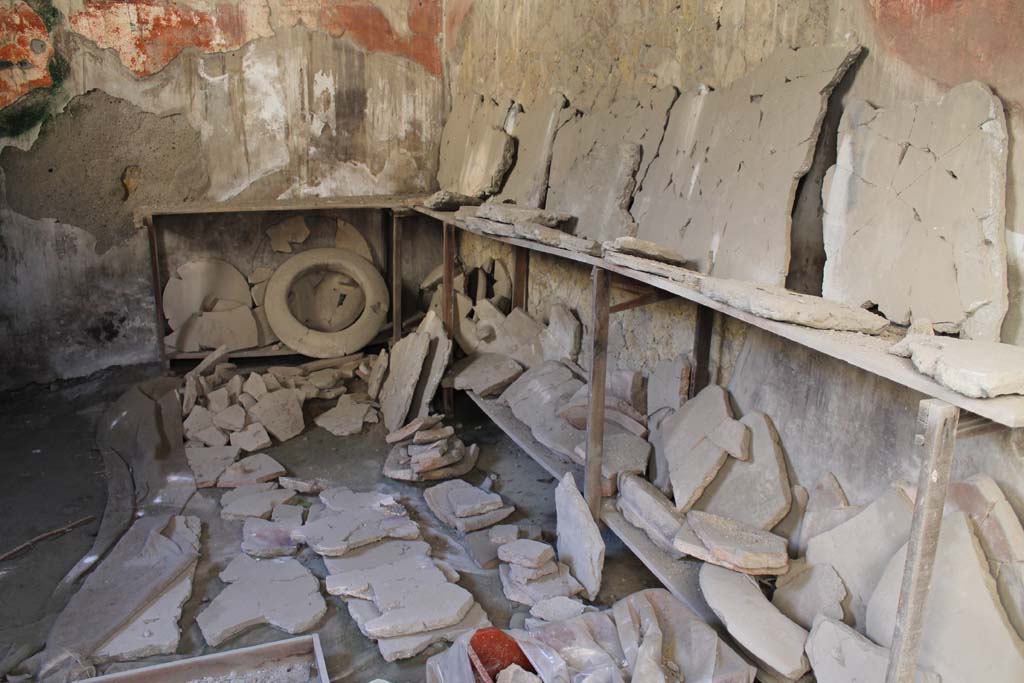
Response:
column 396, row 278
column 448, row 303
column 934, row 442
column 521, row 279
column 601, row 295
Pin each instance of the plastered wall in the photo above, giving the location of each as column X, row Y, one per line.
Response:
column 107, row 106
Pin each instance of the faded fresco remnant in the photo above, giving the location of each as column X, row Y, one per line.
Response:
column 25, row 52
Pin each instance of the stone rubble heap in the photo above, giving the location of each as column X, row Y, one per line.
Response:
column 427, row 450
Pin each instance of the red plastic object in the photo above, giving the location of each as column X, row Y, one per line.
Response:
column 497, row 651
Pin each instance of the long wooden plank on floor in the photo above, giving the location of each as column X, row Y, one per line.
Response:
column 866, row 352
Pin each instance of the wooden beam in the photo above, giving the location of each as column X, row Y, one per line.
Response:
column 647, row 299
column 448, row 303
column 521, row 279
column 934, row 442
column 700, row 354
column 600, row 298
column 396, row 277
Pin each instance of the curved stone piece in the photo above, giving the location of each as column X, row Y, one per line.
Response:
column 326, row 344
column 201, row 283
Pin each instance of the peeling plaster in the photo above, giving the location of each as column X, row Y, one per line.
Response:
column 25, row 52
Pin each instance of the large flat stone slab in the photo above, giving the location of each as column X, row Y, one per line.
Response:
column 406, row 365
column 336, row 533
column 978, row 369
column 410, row 610
column 438, row 500
column 534, row 129
column 860, row 565
column 281, row 593
column 647, row 508
column 376, row 554
column 198, row 282
column 563, row 335
column 255, row 504
column 262, row 538
column 966, row 635
column 839, row 654
column 439, row 354
column 915, row 210
column 721, row 189
column 580, row 545
column 738, row 545
column 807, row 591
column 253, row 469
column 691, row 469
column 347, row 417
column 280, row 412
column 486, row 374
column 559, row 584
column 405, row 647
column 208, row 464
column 775, row 641
column 756, row 491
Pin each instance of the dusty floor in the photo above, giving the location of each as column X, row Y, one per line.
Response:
column 68, row 484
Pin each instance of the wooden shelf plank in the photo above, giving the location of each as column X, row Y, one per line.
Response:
column 299, row 204
column 555, row 464
column 866, row 352
column 680, row 577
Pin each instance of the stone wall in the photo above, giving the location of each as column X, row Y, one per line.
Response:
column 587, row 49
column 107, row 106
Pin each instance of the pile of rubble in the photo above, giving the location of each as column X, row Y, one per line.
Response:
column 427, row 450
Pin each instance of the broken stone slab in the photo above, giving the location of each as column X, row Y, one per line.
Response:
column 483, row 550
column 288, row 514
column 255, row 504
column 714, row 193
column 435, row 457
column 441, row 446
column 289, row 231
column 265, row 539
column 208, row 464
column 623, row 452
column 777, row 303
column 738, row 545
column 523, row 574
column 416, row 425
column 378, row 371
column 665, row 384
column 471, row 116
column 345, row 418
column 231, row 419
column 561, row 583
column 485, row 374
column 155, row 630
column 966, row 635
column 516, row 674
column 555, row 238
column 405, row 647
column 240, row 491
column 733, row 437
column 539, row 391
column 756, row 491
column 255, row 386
column 347, row 236
column 212, row 436
column 771, row 638
column 470, row 501
column 688, row 277
column 234, row 328
column 526, row 553
column 437, row 499
column 198, row 282
column 580, row 545
column 414, row 611
column 398, row 464
column 646, row 508
column 914, row 211
column 334, row 534
column 343, row 499
column 808, row 591
column 978, row 369
column 860, row 565
column 253, row 469
column 260, row 274
column 789, row 527
column 446, row 200
column 218, row 400
column 838, row 653
column 324, row 379
column 681, row 433
column 406, row 365
column 435, row 363
column 418, row 570
column 827, row 508
column 563, row 335
column 557, row 609
column 377, row 554
column 199, row 419
column 534, row 128
column 280, row 412
column 516, row 335
column 694, row 471
column 302, row 485
column 429, row 436
column 503, row 533
column 252, row 438
column 281, row 593
column 643, row 249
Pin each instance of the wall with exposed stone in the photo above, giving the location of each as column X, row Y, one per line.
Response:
column 587, row 49
column 108, row 106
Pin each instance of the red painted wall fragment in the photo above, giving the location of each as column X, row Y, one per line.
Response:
column 25, row 50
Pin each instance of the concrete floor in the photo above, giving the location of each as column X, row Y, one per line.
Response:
column 68, row 483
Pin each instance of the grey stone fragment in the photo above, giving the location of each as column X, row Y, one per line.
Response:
column 429, row 436
column 756, row 491
column 523, row 574
column 978, row 369
column 255, row 386
column 512, row 214
column 860, row 565
column 436, row 362
column 682, row 431
column 664, row 384
column 231, row 419
column 516, row 674
column 207, row 464
column 404, row 647
column 234, row 494
column 503, row 533
column 721, row 188
column 646, row 508
column 694, row 471
column 288, row 514
column 966, row 635
column 336, row 533
column 733, row 437
column 213, row 437
column 553, row 585
column 777, row 303
column 265, row 539
column 376, row 554
column 378, row 370
column 809, row 590
column 839, row 654
column 436, row 456
column 363, row 582
column 256, row 504
column 398, row 464
column 252, row 438
column 515, row 335
column 789, row 527
column 561, row 338
column 437, row 499
column 281, row 593
column 486, row 374
column 526, row 553
column 253, row 469
column 827, row 508
column 775, row 641
column 738, row 545
column 580, row 545
column 467, row 502
column 555, row 238
column 534, row 129
column 280, row 412
column 345, row 418
column 623, row 452
column 642, row 249
column 416, row 425
column 411, row 610
column 598, row 186
column 557, row 609
column 290, row 230
column 915, row 209
column 407, row 357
